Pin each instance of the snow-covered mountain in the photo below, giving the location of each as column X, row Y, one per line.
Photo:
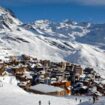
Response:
column 77, row 42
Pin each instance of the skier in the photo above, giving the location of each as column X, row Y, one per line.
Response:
column 80, row 100
column 94, row 99
column 89, row 99
column 49, row 103
column 39, row 102
column 76, row 99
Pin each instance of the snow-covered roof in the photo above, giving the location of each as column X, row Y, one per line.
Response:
column 46, row 88
column 82, row 76
column 22, row 83
column 103, row 82
column 28, row 74
column 33, row 65
column 84, row 87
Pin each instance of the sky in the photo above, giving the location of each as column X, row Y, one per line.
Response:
column 57, row 10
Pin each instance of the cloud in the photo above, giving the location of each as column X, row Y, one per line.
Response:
column 82, row 2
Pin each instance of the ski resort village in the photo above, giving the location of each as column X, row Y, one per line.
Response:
column 51, row 63
column 52, row 78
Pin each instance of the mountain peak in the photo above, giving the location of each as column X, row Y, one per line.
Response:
column 8, row 19
column 68, row 21
column 7, row 11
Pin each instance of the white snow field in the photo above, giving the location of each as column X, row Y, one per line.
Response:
column 11, row 94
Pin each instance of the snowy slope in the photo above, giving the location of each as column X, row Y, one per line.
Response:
column 19, row 97
column 101, row 101
column 44, row 39
column 11, row 94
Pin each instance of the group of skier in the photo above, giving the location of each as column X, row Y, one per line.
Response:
column 40, row 103
column 94, row 98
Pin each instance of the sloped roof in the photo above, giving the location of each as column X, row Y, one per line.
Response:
column 44, row 88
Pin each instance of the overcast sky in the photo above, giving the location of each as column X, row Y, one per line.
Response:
column 57, row 10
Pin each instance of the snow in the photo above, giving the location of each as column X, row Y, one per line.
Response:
column 81, row 43
column 103, row 82
column 11, row 94
column 100, row 102
column 28, row 74
column 46, row 88
column 9, row 80
column 53, row 41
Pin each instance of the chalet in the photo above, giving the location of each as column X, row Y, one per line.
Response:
column 68, row 64
column 9, row 71
column 1, row 62
column 39, row 67
column 25, row 57
column 43, row 72
column 48, row 81
column 31, row 66
column 47, row 90
column 25, row 84
column 97, row 77
column 62, row 65
column 67, row 75
column 41, row 79
column 69, row 68
column 1, row 70
column 64, row 84
column 33, row 60
column 59, row 78
column 77, row 77
column 53, row 80
column 28, row 75
column 79, row 88
column 21, row 78
column 87, row 83
column 83, row 90
column 93, row 88
column 45, row 63
column 19, row 70
column 59, row 74
column 88, row 70
column 101, row 89
column 103, row 83
column 54, row 65
column 78, row 69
